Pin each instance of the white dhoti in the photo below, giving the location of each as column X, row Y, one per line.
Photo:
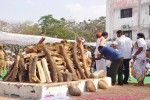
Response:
column 139, row 67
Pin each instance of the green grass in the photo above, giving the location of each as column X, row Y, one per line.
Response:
column 146, row 80
column 3, row 74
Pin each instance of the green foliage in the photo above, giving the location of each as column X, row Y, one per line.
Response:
column 66, row 29
column 60, row 28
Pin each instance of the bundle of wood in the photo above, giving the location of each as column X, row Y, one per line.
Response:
column 44, row 63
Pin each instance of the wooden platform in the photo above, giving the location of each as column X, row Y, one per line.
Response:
column 36, row 91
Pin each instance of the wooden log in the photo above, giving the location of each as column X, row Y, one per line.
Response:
column 60, row 76
column 41, row 72
column 22, row 71
column 15, row 69
column 52, row 64
column 76, row 62
column 41, row 54
column 61, row 67
column 35, row 49
column 67, row 76
column 46, row 71
column 78, row 74
column 87, row 72
column 69, row 63
column 41, row 40
column 32, row 70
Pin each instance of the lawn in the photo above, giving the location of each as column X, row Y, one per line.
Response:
column 146, row 81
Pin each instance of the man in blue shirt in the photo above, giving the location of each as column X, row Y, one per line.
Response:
column 116, row 59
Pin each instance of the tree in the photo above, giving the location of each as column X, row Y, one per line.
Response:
column 47, row 22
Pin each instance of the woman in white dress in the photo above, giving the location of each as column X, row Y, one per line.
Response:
column 101, row 41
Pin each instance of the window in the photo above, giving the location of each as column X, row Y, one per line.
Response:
column 128, row 33
column 125, row 13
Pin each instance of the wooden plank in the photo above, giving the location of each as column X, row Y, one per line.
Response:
column 41, row 72
column 46, row 71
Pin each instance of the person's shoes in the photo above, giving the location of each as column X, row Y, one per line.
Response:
column 120, row 84
column 125, row 82
column 113, row 84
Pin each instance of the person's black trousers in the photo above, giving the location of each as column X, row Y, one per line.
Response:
column 116, row 67
column 126, row 70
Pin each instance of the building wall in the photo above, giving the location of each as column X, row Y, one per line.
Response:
column 114, row 21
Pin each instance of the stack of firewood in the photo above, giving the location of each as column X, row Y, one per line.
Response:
column 45, row 63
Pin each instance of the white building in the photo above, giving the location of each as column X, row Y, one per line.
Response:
column 130, row 16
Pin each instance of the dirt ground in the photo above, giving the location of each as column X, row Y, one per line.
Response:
column 125, row 92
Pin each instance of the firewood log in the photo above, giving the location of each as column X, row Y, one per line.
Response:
column 55, row 74
column 76, row 61
column 41, row 72
column 15, row 70
column 41, row 40
column 46, row 71
column 87, row 72
column 67, row 76
column 32, row 69
column 57, row 60
column 35, row 49
column 22, row 71
column 61, row 67
column 69, row 63
column 36, row 54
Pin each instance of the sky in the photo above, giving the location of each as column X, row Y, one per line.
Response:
column 32, row 10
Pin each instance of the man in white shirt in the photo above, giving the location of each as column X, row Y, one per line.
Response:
column 88, row 52
column 124, row 45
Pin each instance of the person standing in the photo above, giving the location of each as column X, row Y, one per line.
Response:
column 116, row 59
column 96, row 52
column 124, row 45
column 101, row 65
column 2, row 59
column 139, row 59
